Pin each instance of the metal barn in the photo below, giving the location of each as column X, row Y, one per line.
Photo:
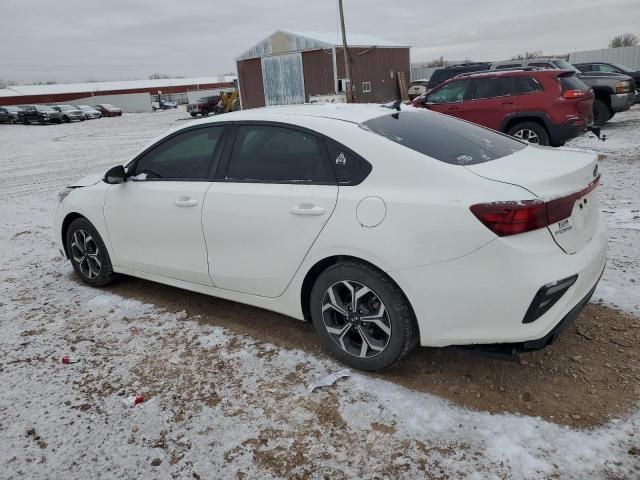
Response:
column 290, row 67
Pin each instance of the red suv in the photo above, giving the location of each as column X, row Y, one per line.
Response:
column 547, row 107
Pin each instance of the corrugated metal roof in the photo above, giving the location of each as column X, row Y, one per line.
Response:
column 353, row 39
column 283, row 41
column 56, row 88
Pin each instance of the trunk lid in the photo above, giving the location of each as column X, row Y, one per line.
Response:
column 565, row 179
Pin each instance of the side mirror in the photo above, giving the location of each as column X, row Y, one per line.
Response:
column 115, row 175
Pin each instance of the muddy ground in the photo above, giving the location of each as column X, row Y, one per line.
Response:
column 590, row 375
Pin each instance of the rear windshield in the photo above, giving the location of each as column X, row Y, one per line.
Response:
column 571, row 82
column 443, row 137
column 564, row 65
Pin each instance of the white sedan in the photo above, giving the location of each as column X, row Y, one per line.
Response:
column 386, row 229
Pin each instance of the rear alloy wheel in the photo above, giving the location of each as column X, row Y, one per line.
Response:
column 601, row 113
column 88, row 254
column 530, row 132
column 362, row 316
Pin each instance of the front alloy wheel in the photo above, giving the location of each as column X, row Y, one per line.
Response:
column 88, row 254
column 356, row 319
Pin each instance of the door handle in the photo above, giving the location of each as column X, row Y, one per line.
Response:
column 307, row 209
column 186, row 202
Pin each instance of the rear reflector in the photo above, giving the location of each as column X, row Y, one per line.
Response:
column 546, row 298
column 512, row 217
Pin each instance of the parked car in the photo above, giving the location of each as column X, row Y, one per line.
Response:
column 108, row 110
column 39, row 113
column 613, row 92
column 90, row 113
column 10, row 114
column 445, row 73
column 69, row 113
column 605, row 67
column 417, row 88
column 386, row 229
column 203, row 106
column 546, row 107
column 163, row 105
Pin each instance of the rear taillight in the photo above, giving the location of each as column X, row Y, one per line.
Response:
column 569, row 94
column 512, row 217
column 509, row 218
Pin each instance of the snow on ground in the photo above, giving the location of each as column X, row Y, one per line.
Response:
column 620, row 201
column 220, row 405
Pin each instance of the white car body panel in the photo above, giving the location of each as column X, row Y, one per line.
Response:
column 258, row 234
column 464, row 283
column 156, row 227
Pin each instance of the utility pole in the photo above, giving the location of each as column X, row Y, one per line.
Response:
column 347, row 63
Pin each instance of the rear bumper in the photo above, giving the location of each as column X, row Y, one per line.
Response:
column 622, row 101
column 561, row 132
column 482, row 298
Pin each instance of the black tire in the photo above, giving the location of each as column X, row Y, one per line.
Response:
column 25, row 121
column 96, row 274
column 601, row 113
column 613, row 114
column 66, row 119
column 193, row 114
column 399, row 318
column 205, row 113
column 522, row 131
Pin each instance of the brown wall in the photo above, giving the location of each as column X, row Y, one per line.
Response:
column 250, row 81
column 317, row 66
column 374, row 65
column 68, row 97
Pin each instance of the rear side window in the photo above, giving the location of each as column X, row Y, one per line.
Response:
column 489, row 88
column 276, row 154
column 443, row 137
column 350, row 168
column 571, row 82
column 524, row 85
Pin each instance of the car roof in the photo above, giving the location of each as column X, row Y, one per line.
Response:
column 513, row 73
column 353, row 113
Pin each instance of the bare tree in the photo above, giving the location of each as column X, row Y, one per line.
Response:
column 438, row 62
column 624, row 40
column 528, row 55
column 158, row 76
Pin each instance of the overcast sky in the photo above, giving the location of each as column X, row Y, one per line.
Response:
column 77, row 40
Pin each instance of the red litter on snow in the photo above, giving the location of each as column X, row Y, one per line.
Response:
column 134, row 400
column 66, row 360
